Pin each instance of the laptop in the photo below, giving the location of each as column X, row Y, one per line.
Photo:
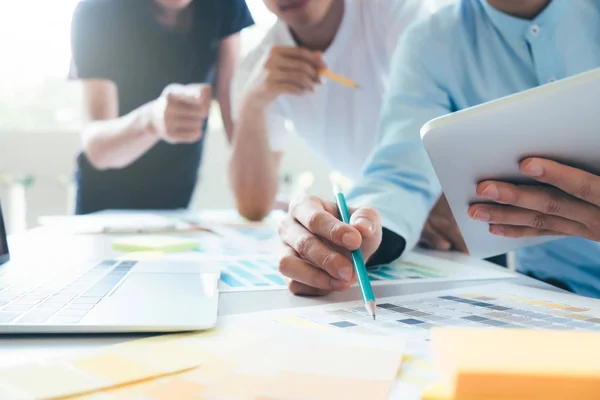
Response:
column 107, row 296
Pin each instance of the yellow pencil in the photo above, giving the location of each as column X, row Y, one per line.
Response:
column 339, row 78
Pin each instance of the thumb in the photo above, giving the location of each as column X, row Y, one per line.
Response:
column 367, row 221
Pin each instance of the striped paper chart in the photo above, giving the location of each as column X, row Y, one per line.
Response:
column 261, row 273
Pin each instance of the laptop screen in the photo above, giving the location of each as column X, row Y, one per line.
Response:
column 4, row 256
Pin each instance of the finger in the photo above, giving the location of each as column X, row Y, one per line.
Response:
column 315, row 252
column 183, row 135
column 434, row 239
column 294, row 267
column 298, row 53
column 448, row 229
column 287, row 88
column 576, row 182
column 545, row 200
column 367, row 221
column 189, row 109
column 514, row 216
column 185, row 124
column 321, row 220
column 292, row 77
column 300, row 289
column 300, row 66
column 520, row 231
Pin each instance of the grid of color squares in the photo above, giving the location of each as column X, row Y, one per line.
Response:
column 258, row 273
column 262, row 273
column 415, row 317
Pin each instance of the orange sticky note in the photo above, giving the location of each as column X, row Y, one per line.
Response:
column 519, row 364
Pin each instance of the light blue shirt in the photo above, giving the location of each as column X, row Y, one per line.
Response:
column 466, row 54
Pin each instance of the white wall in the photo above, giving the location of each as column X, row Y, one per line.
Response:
column 49, row 156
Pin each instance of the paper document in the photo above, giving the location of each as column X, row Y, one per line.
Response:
column 532, row 364
column 242, row 271
column 411, row 317
column 233, row 363
column 503, row 305
column 114, row 223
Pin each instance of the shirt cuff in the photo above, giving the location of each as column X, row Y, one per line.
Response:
column 391, row 248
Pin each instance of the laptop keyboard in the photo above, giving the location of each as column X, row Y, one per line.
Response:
column 64, row 300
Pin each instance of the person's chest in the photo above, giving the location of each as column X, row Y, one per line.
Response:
column 499, row 66
column 339, row 122
column 152, row 58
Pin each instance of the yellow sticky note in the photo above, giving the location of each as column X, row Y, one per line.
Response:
column 49, row 380
column 519, row 364
column 142, row 256
column 155, row 243
column 114, row 367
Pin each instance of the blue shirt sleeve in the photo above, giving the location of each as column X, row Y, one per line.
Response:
column 398, row 178
column 236, row 17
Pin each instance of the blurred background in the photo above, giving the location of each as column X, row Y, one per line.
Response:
column 40, row 118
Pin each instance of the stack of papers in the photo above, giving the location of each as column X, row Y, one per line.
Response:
column 146, row 243
column 514, row 364
column 114, row 223
column 232, row 363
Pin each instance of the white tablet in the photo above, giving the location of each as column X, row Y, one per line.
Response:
column 559, row 121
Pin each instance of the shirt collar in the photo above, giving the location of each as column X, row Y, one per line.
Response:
column 514, row 26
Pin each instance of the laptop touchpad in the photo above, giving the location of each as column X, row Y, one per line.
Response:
column 163, row 285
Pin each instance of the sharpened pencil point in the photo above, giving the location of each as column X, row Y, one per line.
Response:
column 373, row 317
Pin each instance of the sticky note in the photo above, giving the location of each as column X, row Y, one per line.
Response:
column 142, row 256
column 114, row 367
column 518, row 364
column 143, row 243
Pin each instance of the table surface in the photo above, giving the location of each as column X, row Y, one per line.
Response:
column 42, row 245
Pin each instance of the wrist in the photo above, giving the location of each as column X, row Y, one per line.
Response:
column 258, row 101
column 145, row 121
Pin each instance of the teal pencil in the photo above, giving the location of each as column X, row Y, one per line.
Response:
column 357, row 258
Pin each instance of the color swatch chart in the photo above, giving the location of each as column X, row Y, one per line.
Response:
column 261, row 273
column 500, row 305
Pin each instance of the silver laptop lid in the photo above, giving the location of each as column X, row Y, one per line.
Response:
column 4, row 254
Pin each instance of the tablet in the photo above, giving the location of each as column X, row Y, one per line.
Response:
column 558, row 121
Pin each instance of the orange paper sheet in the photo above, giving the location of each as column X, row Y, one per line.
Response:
column 516, row 364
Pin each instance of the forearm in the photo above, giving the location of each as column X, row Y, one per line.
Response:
column 252, row 167
column 116, row 143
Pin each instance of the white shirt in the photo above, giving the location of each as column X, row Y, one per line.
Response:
column 337, row 122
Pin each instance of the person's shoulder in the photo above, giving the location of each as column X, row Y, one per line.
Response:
column 444, row 25
column 273, row 37
column 99, row 6
column 251, row 64
column 97, row 10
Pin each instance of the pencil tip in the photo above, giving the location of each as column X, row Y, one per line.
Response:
column 373, row 317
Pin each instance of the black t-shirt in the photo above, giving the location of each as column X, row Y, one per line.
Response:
column 121, row 40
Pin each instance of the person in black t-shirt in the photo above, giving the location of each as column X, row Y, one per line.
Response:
column 147, row 68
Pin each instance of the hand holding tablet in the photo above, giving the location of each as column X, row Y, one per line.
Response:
column 523, row 169
column 570, row 205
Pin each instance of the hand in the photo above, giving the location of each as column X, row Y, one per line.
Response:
column 568, row 205
column 288, row 70
column 317, row 245
column 441, row 231
column 178, row 115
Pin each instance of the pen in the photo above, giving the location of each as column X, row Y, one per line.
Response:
column 339, row 78
column 357, row 258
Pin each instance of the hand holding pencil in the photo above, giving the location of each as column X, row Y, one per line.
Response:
column 292, row 71
column 318, row 245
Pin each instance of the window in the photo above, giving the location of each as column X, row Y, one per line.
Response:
column 35, row 43
column 34, row 94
